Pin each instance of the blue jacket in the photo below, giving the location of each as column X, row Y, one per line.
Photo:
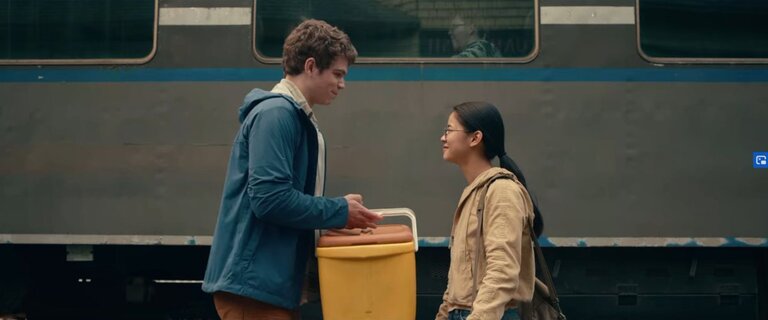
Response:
column 264, row 234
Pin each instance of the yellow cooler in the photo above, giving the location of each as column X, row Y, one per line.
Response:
column 369, row 274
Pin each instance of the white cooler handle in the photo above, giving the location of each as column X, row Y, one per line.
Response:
column 397, row 212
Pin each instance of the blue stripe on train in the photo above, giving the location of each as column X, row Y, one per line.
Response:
column 389, row 73
column 627, row 242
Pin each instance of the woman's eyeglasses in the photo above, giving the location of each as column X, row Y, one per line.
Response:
column 446, row 130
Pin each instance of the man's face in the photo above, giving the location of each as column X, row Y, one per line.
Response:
column 327, row 84
column 460, row 34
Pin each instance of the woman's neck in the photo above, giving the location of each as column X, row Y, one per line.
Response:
column 473, row 167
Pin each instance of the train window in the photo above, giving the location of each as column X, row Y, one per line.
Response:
column 410, row 30
column 77, row 31
column 703, row 31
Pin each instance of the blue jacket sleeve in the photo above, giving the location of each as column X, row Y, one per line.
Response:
column 273, row 139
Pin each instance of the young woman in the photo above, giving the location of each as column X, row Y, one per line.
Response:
column 492, row 272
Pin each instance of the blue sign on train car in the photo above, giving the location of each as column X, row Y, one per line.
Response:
column 760, row 160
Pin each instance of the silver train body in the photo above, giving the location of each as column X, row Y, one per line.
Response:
column 614, row 146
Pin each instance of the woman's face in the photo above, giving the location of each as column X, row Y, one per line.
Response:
column 455, row 140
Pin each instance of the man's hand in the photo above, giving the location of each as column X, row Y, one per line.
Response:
column 355, row 197
column 359, row 216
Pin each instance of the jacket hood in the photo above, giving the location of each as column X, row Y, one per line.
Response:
column 253, row 98
column 483, row 178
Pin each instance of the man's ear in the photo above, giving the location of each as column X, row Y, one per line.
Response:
column 477, row 137
column 310, row 65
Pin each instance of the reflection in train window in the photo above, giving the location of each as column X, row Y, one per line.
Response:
column 712, row 29
column 409, row 29
column 76, row 29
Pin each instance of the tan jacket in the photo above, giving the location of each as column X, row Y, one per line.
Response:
column 506, row 275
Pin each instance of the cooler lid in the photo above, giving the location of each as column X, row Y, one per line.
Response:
column 388, row 233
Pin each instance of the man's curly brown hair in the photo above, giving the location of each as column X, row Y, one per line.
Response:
column 316, row 39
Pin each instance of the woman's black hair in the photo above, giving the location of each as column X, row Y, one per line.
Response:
column 484, row 117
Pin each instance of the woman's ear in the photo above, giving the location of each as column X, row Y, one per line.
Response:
column 476, row 138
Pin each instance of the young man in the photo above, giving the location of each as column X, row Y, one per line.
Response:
column 272, row 200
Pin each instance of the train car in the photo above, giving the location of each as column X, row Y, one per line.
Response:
column 640, row 126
